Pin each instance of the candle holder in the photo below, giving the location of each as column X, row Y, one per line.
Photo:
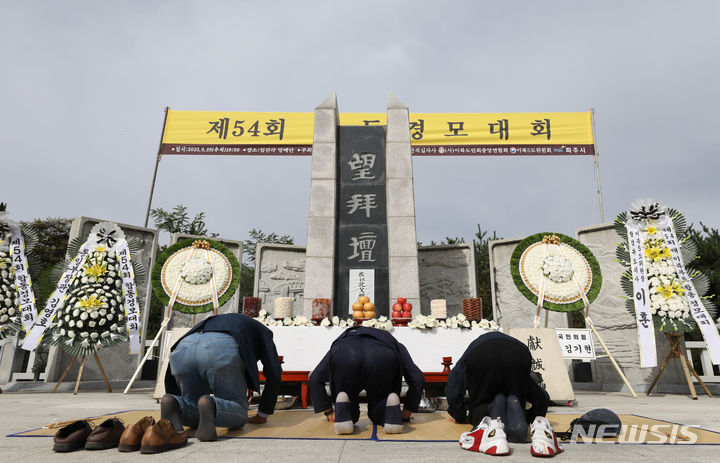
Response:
column 446, row 362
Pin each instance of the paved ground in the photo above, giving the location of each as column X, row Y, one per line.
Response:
column 26, row 410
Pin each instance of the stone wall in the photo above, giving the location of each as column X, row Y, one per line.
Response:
column 447, row 272
column 280, row 272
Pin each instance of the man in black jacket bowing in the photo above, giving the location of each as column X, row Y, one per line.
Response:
column 373, row 360
column 220, row 355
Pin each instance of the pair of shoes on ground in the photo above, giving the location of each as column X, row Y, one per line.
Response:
column 489, row 438
column 80, row 434
column 343, row 416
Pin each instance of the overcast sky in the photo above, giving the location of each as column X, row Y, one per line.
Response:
column 84, row 84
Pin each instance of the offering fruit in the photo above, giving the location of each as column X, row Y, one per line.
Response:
column 407, row 307
column 370, row 314
column 396, row 314
column 368, row 307
column 401, row 300
column 406, row 314
column 358, row 314
column 397, row 306
column 358, row 306
column 363, row 299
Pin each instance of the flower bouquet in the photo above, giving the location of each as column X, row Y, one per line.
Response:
column 655, row 245
column 556, row 272
column 17, row 302
column 96, row 302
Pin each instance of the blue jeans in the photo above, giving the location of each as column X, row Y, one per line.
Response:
column 209, row 362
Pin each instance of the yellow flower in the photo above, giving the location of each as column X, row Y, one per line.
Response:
column 100, row 248
column 666, row 291
column 651, row 230
column 90, row 304
column 677, row 288
column 664, row 253
column 96, row 270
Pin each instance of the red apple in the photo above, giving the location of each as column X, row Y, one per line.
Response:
column 407, row 306
column 406, row 314
column 396, row 314
column 401, row 300
column 397, row 307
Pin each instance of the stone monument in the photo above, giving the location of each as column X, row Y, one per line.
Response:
column 361, row 219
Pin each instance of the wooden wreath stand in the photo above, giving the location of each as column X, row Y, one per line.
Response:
column 676, row 352
column 80, row 372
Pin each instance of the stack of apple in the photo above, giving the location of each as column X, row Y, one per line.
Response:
column 363, row 308
column 402, row 308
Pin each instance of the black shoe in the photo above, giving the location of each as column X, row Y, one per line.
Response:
column 170, row 410
column 207, row 409
column 72, row 437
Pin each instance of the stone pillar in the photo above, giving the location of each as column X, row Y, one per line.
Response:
column 402, row 237
column 320, row 257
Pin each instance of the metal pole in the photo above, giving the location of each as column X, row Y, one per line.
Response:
column 597, row 166
column 157, row 162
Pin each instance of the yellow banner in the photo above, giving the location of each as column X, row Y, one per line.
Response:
column 215, row 132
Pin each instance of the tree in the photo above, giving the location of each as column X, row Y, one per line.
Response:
column 247, row 276
column 482, row 269
column 178, row 221
column 708, row 261
column 53, row 236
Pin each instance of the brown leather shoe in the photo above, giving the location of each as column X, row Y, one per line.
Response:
column 162, row 436
column 132, row 437
column 72, row 436
column 106, row 435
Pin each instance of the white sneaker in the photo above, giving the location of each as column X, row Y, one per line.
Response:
column 544, row 441
column 488, row 438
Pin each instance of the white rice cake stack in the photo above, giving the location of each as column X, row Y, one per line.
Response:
column 283, row 307
column 438, row 308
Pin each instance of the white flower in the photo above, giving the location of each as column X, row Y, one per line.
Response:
column 103, row 312
column 343, row 323
column 370, row 323
column 262, row 313
column 4, row 318
column 466, row 324
column 62, row 332
column 79, row 324
column 93, row 335
column 453, row 323
column 72, row 323
column 325, row 322
column 102, row 321
column 461, row 317
column 76, row 312
column 11, row 311
column 92, row 324
column 383, row 319
column 94, row 314
column 113, row 327
column 287, row 321
column 484, row 324
column 442, row 324
column 105, row 334
column 493, row 325
column 84, row 334
column 71, row 334
column 335, row 320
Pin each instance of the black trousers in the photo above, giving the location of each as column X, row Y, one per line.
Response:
column 496, row 367
column 361, row 362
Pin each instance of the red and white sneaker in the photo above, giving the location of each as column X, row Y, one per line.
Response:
column 544, row 441
column 488, row 438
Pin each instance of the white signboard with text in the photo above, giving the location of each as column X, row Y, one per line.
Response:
column 576, row 343
column 362, row 283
